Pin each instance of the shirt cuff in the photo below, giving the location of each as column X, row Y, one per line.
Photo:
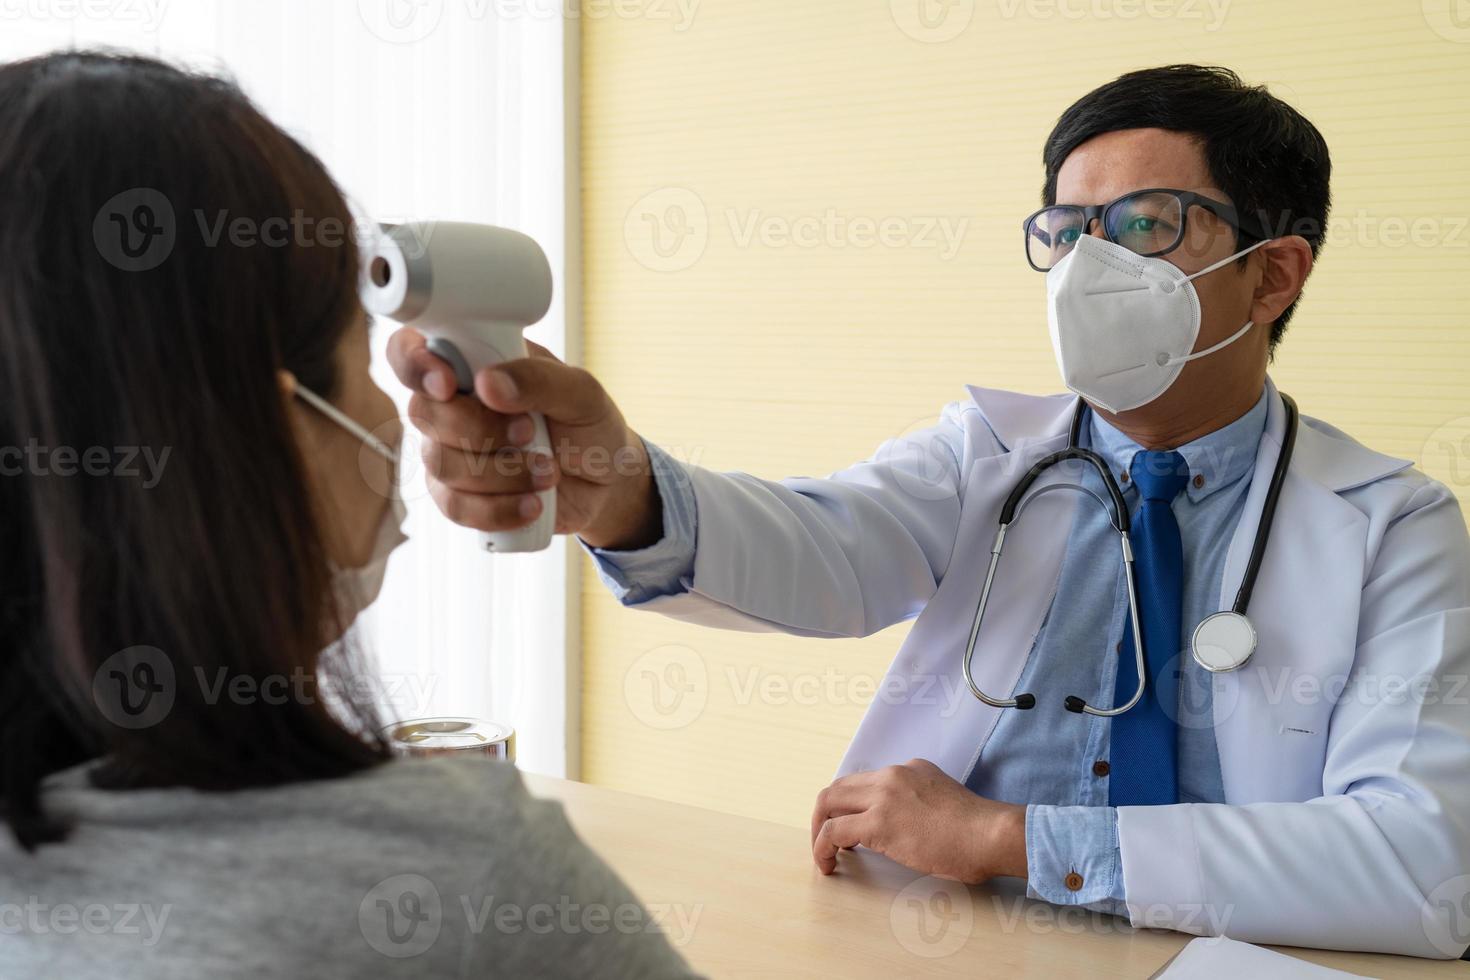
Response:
column 666, row 567
column 1072, row 856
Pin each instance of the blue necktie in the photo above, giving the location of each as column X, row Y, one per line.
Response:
column 1143, row 741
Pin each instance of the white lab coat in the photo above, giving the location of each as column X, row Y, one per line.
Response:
column 1348, row 817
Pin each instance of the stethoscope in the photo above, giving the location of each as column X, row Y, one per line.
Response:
column 1222, row 642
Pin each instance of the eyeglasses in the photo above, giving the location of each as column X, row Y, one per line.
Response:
column 1150, row 222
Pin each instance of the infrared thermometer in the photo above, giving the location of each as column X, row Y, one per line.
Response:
column 471, row 290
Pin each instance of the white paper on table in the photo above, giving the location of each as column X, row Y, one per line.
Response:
column 1212, row 958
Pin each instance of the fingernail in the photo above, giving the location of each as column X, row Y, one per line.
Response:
column 530, row 507
column 543, row 473
column 503, row 386
column 521, row 431
column 437, row 384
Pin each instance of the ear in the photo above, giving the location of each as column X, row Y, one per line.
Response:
column 1285, row 264
column 303, row 419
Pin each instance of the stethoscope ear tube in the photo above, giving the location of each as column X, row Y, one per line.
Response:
column 1268, row 509
column 1120, row 508
column 1227, row 640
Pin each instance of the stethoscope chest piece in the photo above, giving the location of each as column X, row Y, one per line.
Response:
column 1223, row 642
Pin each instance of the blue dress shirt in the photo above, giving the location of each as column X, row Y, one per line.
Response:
column 1048, row 758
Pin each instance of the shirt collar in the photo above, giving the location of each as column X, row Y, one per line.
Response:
column 1216, row 460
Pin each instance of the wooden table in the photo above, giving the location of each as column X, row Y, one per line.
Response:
column 741, row 898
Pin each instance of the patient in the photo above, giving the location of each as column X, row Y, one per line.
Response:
column 185, row 792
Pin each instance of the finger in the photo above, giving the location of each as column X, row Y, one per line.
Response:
column 499, row 471
column 835, row 835
column 417, row 369
column 485, row 512
column 538, row 384
column 837, row 800
column 466, row 424
column 538, row 351
column 865, row 777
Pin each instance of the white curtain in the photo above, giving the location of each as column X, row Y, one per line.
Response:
column 450, row 109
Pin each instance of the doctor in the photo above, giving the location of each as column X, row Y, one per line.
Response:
column 1316, row 793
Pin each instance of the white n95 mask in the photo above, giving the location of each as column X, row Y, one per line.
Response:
column 357, row 588
column 1123, row 326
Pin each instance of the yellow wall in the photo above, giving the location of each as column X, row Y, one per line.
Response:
column 782, row 359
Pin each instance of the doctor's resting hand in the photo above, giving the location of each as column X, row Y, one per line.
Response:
column 476, row 465
column 924, row 820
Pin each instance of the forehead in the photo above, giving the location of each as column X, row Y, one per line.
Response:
column 1111, row 165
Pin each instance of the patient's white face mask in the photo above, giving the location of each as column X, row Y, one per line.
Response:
column 1122, row 325
column 357, row 588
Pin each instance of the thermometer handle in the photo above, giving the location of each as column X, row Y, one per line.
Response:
column 468, row 349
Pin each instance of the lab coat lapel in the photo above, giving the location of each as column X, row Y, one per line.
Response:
column 924, row 709
column 1271, row 716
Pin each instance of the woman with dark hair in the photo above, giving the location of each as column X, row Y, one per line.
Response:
column 185, row 791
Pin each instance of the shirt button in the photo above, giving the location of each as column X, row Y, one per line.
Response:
column 1126, row 478
column 1073, row 882
column 1199, row 480
column 1101, row 768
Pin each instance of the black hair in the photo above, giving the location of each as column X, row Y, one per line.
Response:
column 220, row 567
column 1266, row 155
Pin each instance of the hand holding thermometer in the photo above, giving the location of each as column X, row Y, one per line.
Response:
column 471, row 290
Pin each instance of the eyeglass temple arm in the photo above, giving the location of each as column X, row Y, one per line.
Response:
column 1227, row 213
